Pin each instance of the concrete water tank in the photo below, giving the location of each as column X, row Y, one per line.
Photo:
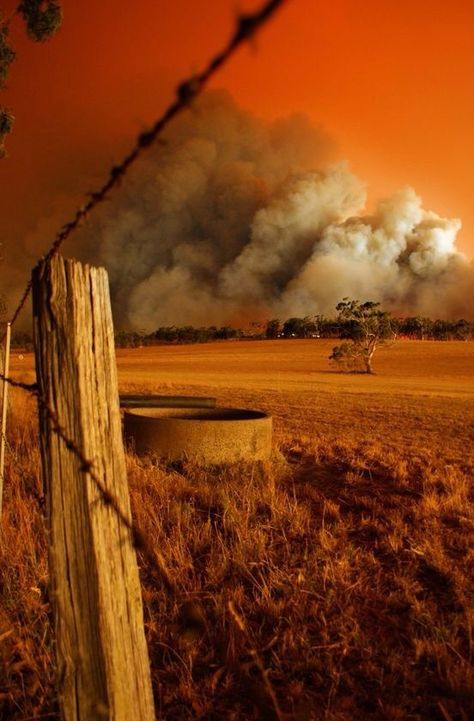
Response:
column 204, row 435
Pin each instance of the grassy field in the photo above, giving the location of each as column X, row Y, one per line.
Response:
column 343, row 567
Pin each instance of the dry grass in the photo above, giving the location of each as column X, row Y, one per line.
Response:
column 344, row 566
column 26, row 670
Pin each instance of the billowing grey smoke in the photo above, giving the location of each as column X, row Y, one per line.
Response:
column 231, row 220
column 402, row 255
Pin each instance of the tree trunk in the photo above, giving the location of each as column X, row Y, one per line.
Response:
column 369, row 354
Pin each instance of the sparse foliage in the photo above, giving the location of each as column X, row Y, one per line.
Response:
column 6, row 122
column 300, row 328
column 366, row 327
column 42, row 19
column 6, row 126
column 273, row 329
column 416, row 327
column 7, row 54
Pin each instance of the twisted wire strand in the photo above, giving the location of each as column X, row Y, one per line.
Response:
column 86, row 466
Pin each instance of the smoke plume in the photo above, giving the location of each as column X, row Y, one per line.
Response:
column 231, row 220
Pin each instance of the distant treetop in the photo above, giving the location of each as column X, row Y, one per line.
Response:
column 42, row 19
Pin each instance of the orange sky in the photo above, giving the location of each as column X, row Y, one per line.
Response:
column 391, row 82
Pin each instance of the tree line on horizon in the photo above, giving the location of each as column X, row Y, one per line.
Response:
column 318, row 326
column 416, row 328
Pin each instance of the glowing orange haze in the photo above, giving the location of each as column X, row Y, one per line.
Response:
column 390, row 81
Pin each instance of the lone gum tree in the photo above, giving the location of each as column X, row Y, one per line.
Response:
column 42, row 19
column 366, row 327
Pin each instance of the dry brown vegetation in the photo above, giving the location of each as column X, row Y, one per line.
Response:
column 342, row 569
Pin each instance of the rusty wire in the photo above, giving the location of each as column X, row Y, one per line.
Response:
column 86, row 466
column 28, row 387
column 138, row 537
column 246, row 27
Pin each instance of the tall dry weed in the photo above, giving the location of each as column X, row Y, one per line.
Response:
column 26, row 668
column 334, row 582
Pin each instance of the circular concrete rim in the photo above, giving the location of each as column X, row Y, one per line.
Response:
column 198, row 414
column 207, row 436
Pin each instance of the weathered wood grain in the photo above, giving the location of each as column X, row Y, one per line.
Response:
column 103, row 666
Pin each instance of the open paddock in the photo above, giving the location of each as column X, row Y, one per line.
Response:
column 344, row 565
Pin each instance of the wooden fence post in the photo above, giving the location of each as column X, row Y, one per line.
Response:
column 3, row 436
column 103, row 666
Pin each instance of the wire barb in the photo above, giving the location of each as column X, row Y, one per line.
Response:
column 186, row 92
column 139, row 540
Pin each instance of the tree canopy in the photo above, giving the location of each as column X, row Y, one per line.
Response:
column 42, row 19
column 367, row 327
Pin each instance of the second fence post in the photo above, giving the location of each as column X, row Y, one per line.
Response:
column 103, row 666
column 3, row 437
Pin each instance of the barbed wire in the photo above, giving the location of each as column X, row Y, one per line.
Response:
column 186, row 91
column 247, row 25
column 139, row 539
column 28, row 387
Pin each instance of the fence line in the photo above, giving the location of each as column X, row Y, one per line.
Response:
column 139, row 539
column 246, row 27
column 140, row 542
